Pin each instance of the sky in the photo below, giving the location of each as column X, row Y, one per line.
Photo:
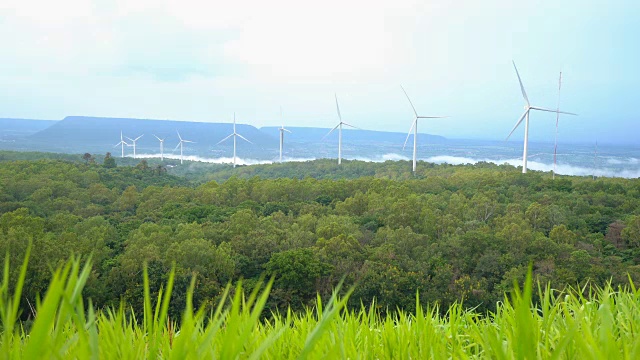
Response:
column 204, row 60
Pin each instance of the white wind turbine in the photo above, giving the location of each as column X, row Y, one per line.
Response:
column 414, row 127
column 555, row 146
column 282, row 130
column 235, row 135
column 527, row 109
column 122, row 143
column 182, row 141
column 161, row 147
column 339, row 127
column 133, row 141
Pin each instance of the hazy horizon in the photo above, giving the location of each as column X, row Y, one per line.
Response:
column 193, row 61
column 512, row 140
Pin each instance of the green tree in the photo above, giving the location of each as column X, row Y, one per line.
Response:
column 631, row 232
column 297, row 273
column 109, row 161
column 87, row 157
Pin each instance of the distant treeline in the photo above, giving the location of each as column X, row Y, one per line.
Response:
column 450, row 233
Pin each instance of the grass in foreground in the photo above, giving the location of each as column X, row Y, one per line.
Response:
column 567, row 326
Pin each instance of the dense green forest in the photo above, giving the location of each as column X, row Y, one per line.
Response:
column 449, row 233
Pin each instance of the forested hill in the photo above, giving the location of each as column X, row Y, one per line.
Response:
column 330, row 170
column 450, row 234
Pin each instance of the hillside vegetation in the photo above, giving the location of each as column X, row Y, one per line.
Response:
column 449, row 234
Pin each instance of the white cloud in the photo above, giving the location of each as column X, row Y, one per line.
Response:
column 189, row 59
column 47, row 14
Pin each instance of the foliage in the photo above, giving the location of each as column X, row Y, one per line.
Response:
column 450, row 233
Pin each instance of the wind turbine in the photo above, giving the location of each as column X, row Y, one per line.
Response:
column 122, row 143
column 339, row 127
column 182, row 141
column 414, row 127
column 555, row 146
column 161, row 147
column 527, row 109
column 235, row 135
column 134, row 144
column 595, row 161
column 282, row 130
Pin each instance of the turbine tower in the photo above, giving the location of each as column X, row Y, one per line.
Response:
column 161, row 147
column 414, row 127
column 339, row 127
column 595, row 161
column 182, row 141
column 122, row 143
column 555, row 146
column 133, row 141
column 235, row 135
column 282, row 130
column 527, row 109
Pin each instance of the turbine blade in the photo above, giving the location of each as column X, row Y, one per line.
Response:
column 179, row 137
column 524, row 93
column 432, row 117
column 177, row 146
column 158, row 137
column 568, row 113
column 330, row 131
column 407, row 95
column 355, row 127
column 338, row 107
column 189, row 141
column 224, row 139
column 409, row 134
column 553, row 111
column 287, row 130
column 139, row 137
column 129, row 138
column 517, row 124
column 243, row 138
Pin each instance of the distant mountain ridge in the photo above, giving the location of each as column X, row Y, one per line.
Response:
column 314, row 135
column 13, row 127
column 105, row 132
column 79, row 134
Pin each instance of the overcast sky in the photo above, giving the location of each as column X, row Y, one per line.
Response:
column 203, row 60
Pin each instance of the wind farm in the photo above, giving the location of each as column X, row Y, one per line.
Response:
column 411, row 217
column 367, row 145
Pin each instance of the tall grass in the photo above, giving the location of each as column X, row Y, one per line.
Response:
column 567, row 325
